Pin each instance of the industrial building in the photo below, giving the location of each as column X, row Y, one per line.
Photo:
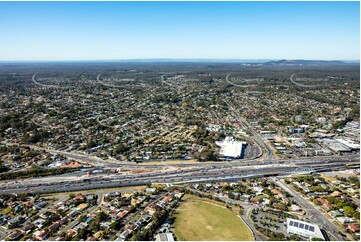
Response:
column 349, row 143
column 334, row 145
column 304, row 229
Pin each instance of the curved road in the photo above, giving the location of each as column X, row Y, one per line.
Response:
column 301, row 85
column 233, row 84
column 43, row 85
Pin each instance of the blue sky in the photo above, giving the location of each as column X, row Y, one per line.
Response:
column 219, row 30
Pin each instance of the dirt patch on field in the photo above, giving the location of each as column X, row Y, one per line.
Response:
column 279, row 139
column 141, row 171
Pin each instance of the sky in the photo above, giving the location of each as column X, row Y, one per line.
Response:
column 210, row 30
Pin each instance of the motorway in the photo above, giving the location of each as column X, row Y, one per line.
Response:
column 233, row 84
column 195, row 174
column 106, row 84
column 300, row 85
column 43, row 85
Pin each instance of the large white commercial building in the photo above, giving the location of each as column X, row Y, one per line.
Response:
column 231, row 148
column 304, row 229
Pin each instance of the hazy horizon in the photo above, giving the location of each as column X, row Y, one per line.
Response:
column 145, row 60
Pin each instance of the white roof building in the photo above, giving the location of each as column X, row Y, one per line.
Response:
column 164, row 237
column 349, row 143
column 334, row 145
column 294, row 207
column 304, row 229
column 231, row 148
column 344, row 220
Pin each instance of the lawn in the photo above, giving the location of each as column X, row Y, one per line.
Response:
column 328, row 178
column 199, row 220
column 261, row 196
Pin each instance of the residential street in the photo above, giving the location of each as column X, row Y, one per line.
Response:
column 316, row 216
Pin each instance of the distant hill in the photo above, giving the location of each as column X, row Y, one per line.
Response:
column 303, row 62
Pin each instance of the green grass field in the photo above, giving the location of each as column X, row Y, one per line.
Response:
column 199, row 220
